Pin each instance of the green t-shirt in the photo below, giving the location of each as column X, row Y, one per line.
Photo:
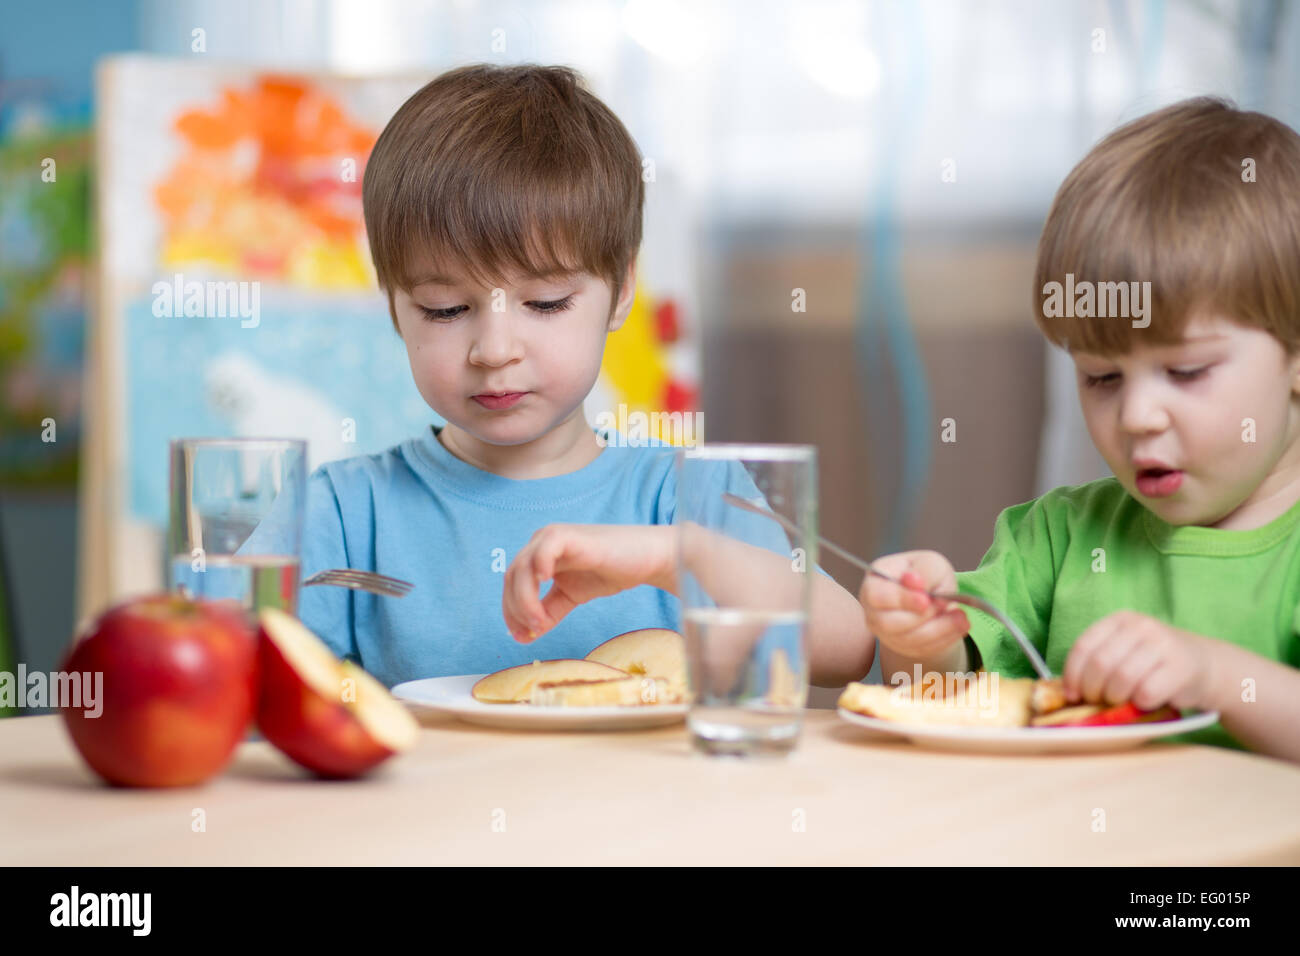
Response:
column 1062, row 561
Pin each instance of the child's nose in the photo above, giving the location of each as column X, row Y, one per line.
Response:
column 1142, row 411
column 495, row 340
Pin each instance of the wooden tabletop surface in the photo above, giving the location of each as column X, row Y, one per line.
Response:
column 469, row 795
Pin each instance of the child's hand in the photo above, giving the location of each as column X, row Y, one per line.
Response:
column 584, row 561
column 906, row 620
column 1128, row 656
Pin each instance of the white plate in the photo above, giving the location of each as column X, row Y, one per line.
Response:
column 452, row 695
column 1032, row 740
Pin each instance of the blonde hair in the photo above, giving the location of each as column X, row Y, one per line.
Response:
column 1200, row 199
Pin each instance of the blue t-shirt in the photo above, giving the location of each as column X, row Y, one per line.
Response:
column 419, row 513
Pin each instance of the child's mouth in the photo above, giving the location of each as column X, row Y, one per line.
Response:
column 498, row 402
column 1158, row 482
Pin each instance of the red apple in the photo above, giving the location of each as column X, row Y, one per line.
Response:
column 325, row 714
column 178, row 693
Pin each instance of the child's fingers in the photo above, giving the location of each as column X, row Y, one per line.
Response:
column 913, row 581
column 896, row 623
column 933, row 569
column 556, row 604
column 1125, row 679
column 508, row 611
column 1081, row 653
column 551, row 544
column 933, row 636
column 510, row 586
column 915, row 587
column 878, row 594
column 1158, row 687
column 522, row 588
column 1103, row 657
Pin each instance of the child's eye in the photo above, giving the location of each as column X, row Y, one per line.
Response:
column 559, row 305
column 1188, row 374
column 1101, row 381
column 443, row 315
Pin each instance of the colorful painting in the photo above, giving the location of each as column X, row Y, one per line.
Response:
column 44, row 249
column 268, row 185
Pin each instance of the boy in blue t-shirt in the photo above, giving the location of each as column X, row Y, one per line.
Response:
column 503, row 210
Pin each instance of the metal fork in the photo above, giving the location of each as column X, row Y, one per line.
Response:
column 969, row 600
column 361, row 581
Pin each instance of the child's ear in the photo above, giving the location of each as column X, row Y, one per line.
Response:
column 618, row 315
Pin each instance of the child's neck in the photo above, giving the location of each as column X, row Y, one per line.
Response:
column 1274, row 497
column 566, row 448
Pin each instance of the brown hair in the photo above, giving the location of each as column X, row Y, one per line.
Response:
column 1169, row 199
column 488, row 168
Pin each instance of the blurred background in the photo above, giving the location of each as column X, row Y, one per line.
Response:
column 843, row 200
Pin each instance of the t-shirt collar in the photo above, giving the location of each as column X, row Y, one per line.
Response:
column 1221, row 542
column 444, row 472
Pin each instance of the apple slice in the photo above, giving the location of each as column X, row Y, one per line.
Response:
column 325, row 714
column 515, row 684
column 651, row 651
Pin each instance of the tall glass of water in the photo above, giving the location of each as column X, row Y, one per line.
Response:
column 235, row 527
column 746, row 586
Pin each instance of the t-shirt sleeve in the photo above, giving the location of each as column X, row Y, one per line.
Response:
column 1018, row 575
column 325, row 609
column 278, row 531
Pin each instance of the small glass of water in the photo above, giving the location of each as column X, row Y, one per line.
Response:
column 746, row 587
column 235, row 527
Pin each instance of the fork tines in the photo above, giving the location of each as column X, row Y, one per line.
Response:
column 353, row 578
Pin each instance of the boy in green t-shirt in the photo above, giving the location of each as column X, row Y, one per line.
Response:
column 1169, row 269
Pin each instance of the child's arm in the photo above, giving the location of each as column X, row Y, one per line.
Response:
column 589, row 561
column 1130, row 656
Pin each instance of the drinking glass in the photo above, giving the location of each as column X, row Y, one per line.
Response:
column 236, row 515
column 746, row 587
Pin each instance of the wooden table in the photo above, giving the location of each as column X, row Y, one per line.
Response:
column 472, row 795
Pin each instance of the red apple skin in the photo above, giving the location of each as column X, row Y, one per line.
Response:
column 321, row 735
column 179, row 690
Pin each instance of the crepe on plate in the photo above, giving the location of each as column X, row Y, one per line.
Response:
column 987, row 700
column 640, row 668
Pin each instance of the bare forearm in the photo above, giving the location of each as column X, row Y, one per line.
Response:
column 840, row 647
column 1258, row 700
column 736, row 574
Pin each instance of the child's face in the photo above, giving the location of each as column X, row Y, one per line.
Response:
column 508, row 364
column 1221, row 410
